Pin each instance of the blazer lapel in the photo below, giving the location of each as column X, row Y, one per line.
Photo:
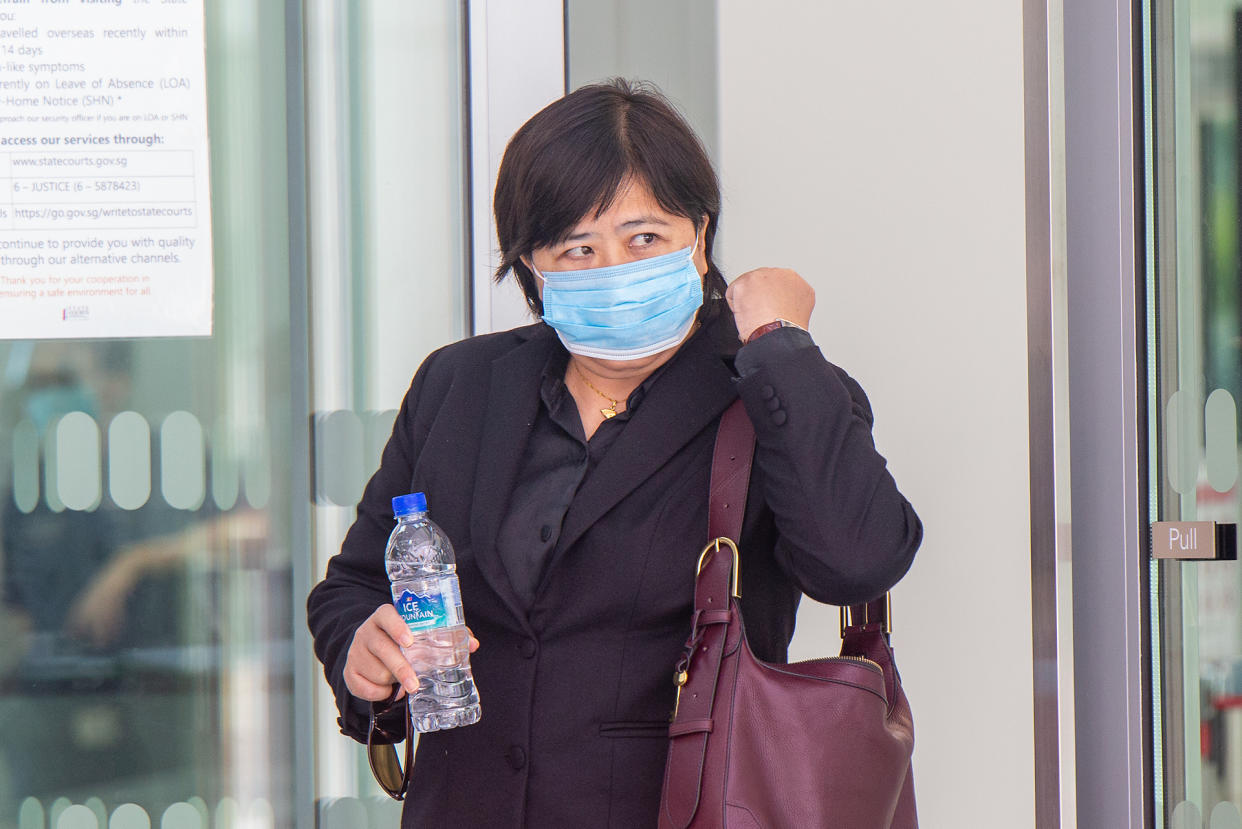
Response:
column 511, row 407
column 696, row 387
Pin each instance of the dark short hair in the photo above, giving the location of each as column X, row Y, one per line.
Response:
column 573, row 155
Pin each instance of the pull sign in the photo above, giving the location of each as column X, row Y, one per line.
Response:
column 1194, row 540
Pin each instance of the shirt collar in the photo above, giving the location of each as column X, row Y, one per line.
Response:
column 552, row 388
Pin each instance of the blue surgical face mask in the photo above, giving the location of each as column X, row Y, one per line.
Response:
column 624, row 312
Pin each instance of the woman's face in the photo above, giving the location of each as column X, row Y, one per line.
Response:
column 633, row 227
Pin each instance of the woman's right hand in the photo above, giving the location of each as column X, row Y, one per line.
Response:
column 374, row 661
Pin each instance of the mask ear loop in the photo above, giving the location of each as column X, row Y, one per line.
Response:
column 530, row 263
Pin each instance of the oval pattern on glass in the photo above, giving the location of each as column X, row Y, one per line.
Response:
column 1225, row 815
column 181, row 816
column 78, row 472
column 129, row 460
column 1181, row 446
column 1220, row 432
column 182, row 461
column 339, row 472
column 130, row 816
column 26, row 468
column 77, row 817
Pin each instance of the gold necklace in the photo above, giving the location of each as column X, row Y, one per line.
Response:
column 609, row 412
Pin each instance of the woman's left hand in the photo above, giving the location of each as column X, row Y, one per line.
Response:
column 767, row 294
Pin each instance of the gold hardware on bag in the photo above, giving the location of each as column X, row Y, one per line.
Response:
column 714, row 546
column 847, row 620
column 681, row 678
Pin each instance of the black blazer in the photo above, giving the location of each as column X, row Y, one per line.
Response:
column 576, row 691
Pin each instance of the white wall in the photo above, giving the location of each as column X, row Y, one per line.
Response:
column 877, row 148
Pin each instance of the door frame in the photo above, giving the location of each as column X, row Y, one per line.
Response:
column 1106, row 266
column 516, row 67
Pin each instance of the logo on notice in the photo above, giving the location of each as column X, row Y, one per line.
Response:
column 75, row 313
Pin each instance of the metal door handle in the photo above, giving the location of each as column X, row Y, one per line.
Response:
column 1194, row 540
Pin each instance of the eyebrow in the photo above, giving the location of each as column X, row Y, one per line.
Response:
column 640, row 220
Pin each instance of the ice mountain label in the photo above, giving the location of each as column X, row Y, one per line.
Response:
column 422, row 611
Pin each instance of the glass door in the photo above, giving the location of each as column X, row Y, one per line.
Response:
column 167, row 502
column 1191, row 98
column 147, row 620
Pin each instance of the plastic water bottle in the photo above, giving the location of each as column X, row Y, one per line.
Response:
column 425, row 590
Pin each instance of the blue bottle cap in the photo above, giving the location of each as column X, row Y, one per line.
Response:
column 407, row 504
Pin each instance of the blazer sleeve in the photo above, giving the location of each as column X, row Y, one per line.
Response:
column 845, row 534
column 356, row 582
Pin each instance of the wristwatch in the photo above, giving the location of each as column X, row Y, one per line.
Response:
column 771, row 326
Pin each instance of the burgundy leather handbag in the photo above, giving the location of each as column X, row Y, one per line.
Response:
column 819, row 744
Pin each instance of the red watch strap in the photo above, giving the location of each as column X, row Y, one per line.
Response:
column 763, row 329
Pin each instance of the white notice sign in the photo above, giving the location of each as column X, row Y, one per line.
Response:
column 105, row 219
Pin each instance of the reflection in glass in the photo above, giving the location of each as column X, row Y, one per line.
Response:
column 147, row 602
column 145, row 630
column 1192, row 57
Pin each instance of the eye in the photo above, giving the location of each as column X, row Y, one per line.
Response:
column 642, row 240
column 579, row 252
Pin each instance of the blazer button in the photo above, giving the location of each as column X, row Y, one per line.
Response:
column 774, row 403
column 516, row 757
column 529, row 648
column 779, row 417
column 767, row 392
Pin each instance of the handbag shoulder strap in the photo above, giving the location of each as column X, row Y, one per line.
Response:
column 698, row 670
column 726, row 505
column 731, row 460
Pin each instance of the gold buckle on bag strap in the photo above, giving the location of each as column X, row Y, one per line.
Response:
column 682, row 675
column 847, row 619
column 713, row 546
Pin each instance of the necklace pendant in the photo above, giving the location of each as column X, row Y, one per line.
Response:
column 608, row 413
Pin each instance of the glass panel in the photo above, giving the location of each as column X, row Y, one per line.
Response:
column 145, row 628
column 1195, row 378
column 673, row 45
column 386, row 139
column 146, row 515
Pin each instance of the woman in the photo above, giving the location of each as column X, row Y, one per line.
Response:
column 568, row 461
